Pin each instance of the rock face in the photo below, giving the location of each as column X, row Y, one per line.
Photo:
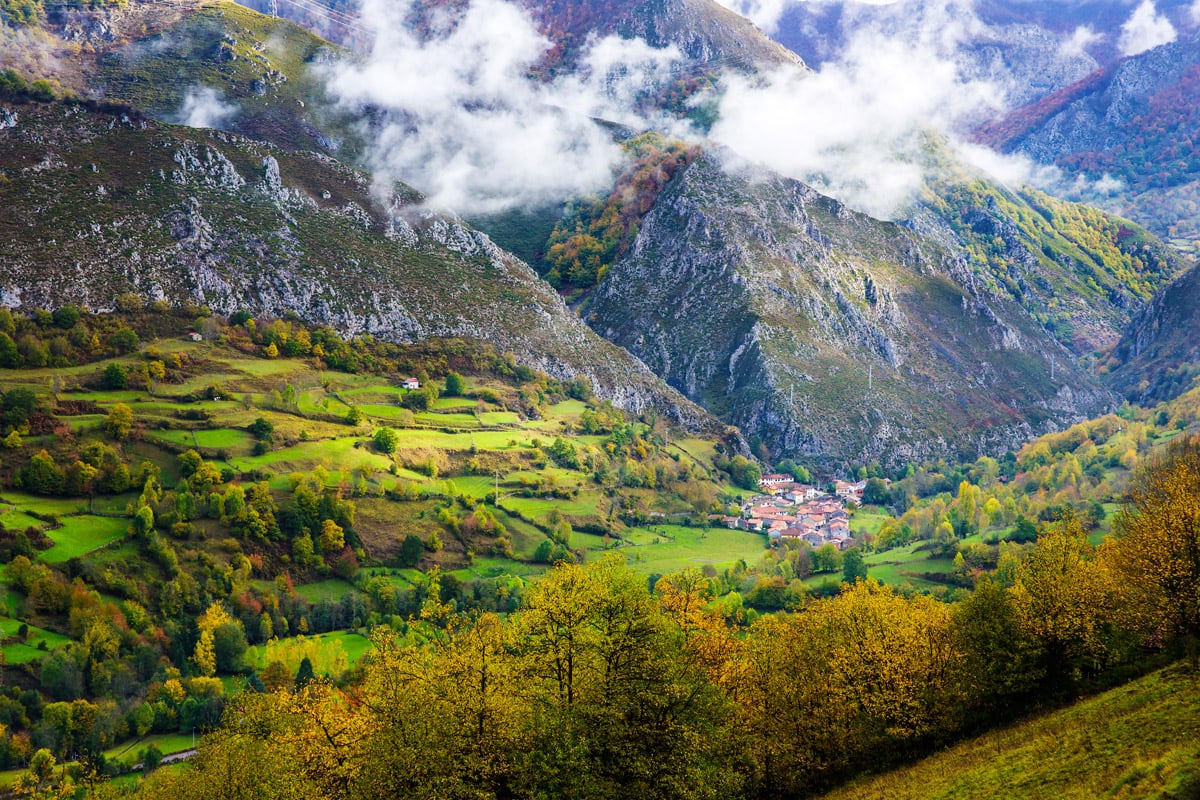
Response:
column 100, row 204
column 1133, row 121
column 835, row 337
column 1158, row 358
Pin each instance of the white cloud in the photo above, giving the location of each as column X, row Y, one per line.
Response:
column 763, row 13
column 1081, row 39
column 205, row 108
column 857, row 129
column 1194, row 12
column 1145, row 29
column 767, row 13
column 463, row 122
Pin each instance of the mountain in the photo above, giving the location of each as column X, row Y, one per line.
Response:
column 1080, row 273
column 833, row 336
column 1130, row 125
column 215, row 218
column 703, row 30
column 1158, row 358
column 1022, row 47
column 213, row 65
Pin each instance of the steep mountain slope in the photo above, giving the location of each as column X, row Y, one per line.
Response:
column 1158, row 358
column 1079, row 272
column 206, row 64
column 98, row 203
column 833, row 336
column 1135, row 121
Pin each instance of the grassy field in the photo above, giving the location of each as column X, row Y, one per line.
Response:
column 16, row 652
column 80, row 535
column 1141, row 740
column 868, row 520
column 669, row 548
column 907, row 564
column 43, row 505
column 333, row 589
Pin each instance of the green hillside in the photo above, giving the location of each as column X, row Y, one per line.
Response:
column 1140, row 740
column 165, row 471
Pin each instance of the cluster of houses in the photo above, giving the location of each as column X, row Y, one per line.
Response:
column 789, row 511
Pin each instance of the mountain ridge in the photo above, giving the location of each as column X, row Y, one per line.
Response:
column 237, row 224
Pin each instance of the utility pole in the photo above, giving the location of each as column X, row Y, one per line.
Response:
column 1051, row 366
column 870, row 377
column 274, row 8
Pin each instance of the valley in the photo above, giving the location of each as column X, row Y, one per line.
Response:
column 648, row 398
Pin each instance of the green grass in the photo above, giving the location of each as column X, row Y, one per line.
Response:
column 354, row 644
column 127, row 752
column 23, row 652
column 18, row 520
column 533, row 507
column 83, row 534
column 670, row 548
column 475, row 486
column 907, row 564
column 450, row 403
column 438, row 420
column 44, row 505
column 1141, row 740
column 868, row 520
column 333, row 588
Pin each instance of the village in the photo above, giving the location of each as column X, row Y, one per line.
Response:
column 788, row 511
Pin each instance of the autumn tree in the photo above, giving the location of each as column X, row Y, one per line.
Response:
column 1062, row 596
column 1156, row 553
column 119, row 421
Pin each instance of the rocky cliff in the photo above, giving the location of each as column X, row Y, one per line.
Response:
column 1158, row 358
column 835, row 337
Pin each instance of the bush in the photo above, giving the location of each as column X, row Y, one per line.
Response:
column 386, row 440
column 115, row 377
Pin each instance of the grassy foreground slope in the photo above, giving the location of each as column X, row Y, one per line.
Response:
column 1140, row 740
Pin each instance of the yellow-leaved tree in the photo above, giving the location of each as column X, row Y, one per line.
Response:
column 1062, row 595
column 205, row 654
column 1156, row 553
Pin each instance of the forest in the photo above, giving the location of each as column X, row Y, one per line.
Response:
column 605, row 686
column 256, row 535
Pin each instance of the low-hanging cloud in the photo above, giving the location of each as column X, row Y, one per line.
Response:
column 767, row 13
column 463, row 120
column 1080, row 40
column 1145, row 29
column 858, row 129
column 204, row 107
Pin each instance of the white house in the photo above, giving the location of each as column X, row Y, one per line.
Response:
column 411, row 383
column 775, row 480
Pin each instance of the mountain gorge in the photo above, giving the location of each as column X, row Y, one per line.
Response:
column 831, row 335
